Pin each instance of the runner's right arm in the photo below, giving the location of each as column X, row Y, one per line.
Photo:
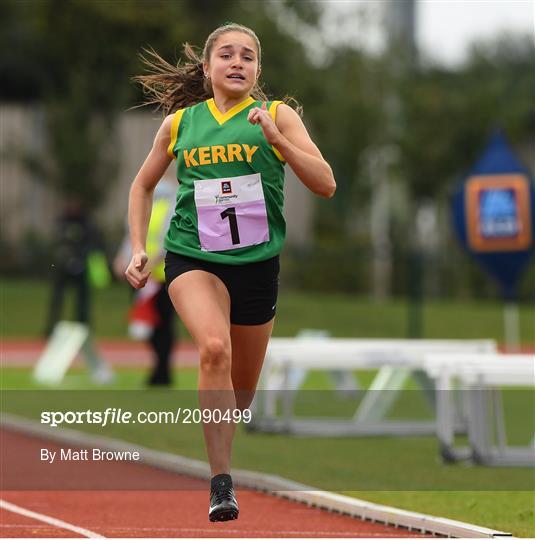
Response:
column 140, row 202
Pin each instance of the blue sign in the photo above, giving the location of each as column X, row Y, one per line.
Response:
column 494, row 213
column 499, row 214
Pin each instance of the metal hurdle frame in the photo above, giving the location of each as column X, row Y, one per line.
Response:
column 396, row 360
column 479, row 379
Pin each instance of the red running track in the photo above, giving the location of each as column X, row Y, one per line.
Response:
column 173, row 506
column 19, row 352
column 15, row 352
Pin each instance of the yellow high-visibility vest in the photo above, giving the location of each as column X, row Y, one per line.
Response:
column 158, row 226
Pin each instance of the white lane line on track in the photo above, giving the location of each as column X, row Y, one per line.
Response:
column 268, row 533
column 47, row 519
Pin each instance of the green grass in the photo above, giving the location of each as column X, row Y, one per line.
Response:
column 506, row 511
column 23, row 307
column 403, row 472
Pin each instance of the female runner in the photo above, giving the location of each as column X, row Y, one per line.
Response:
column 230, row 144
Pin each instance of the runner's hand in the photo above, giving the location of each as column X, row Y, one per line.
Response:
column 261, row 116
column 136, row 274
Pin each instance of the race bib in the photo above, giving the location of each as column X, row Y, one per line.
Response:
column 231, row 212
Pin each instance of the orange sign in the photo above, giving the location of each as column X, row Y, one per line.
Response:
column 498, row 212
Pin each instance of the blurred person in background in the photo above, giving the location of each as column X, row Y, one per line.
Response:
column 152, row 315
column 80, row 264
column 75, row 239
column 222, row 263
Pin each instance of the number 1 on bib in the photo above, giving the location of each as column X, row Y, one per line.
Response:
column 239, row 199
column 233, row 222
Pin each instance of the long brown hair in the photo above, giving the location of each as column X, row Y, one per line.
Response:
column 171, row 87
column 175, row 87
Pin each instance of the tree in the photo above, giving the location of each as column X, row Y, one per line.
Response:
column 450, row 113
column 77, row 57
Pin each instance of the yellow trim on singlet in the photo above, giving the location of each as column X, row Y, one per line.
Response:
column 220, row 117
column 174, row 132
column 273, row 113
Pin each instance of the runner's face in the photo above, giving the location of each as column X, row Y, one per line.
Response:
column 233, row 67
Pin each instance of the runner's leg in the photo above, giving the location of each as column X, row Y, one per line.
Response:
column 249, row 344
column 203, row 303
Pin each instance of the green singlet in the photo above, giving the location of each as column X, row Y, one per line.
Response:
column 230, row 197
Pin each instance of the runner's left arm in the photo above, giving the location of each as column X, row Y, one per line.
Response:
column 290, row 137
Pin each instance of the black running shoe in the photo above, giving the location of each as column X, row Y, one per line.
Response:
column 223, row 504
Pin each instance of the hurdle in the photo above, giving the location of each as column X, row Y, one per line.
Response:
column 396, row 360
column 67, row 340
column 479, row 379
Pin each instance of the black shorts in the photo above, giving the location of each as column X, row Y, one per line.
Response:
column 252, row 287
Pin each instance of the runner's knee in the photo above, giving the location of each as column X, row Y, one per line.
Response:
column 215, row 354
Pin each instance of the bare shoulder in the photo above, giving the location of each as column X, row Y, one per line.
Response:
column 166, row 124
column 163, row 136
column 287, row 118
column 285, row 112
